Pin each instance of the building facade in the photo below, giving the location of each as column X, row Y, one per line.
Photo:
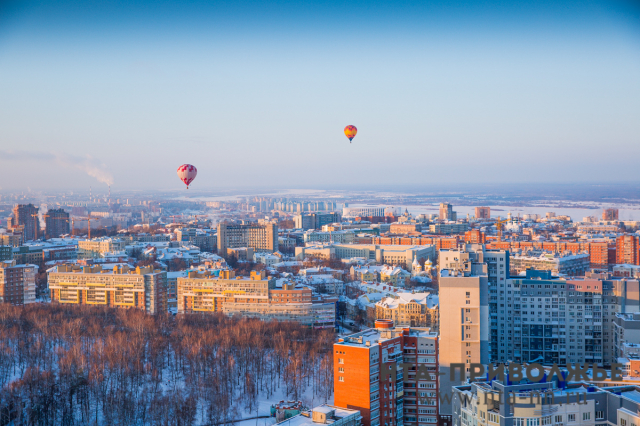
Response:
column 316, row 220
column 255, row 236
column 57, row 223
column 483, row 212
column 610, row 214
column 17, row 283
column 446, row 212
column 566, row 264
column 124, row 287
column 254, row 296
column 25, row 217
column 402, row 255
column 389, row 374
column 410, row 310
column 627, row 250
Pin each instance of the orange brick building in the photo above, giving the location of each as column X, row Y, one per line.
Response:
column 389, row 374
column 600, row 253
column 475, row 236
column 627, row 250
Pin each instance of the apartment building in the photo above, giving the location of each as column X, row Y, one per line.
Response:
column 315, row 220
column 627, row 250
column 483, row 212
column 475, row 236
column 57, row 223
column 25, row 217
column 31, row 254
column 17, row 283
column 473, row 282
column 13, row 240
column 259, row 237
column 565, row 263
column 540, row 318
column 125, row 287
column 389, row 374
column 550, row 402
column 255, row 296
column 446, row 212
column 609, row 214
column 410, row 309
column 205, row 241
column 448, row 228
column 626, row 340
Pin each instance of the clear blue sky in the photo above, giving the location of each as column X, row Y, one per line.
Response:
column 256, row 93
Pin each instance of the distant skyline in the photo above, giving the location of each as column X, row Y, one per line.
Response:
column 256, row 93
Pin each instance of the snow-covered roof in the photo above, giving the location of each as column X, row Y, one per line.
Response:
column 428, row 299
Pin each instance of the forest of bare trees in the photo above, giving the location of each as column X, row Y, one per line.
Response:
column 85, row 365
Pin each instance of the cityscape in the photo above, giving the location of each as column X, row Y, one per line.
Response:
column 319, row 213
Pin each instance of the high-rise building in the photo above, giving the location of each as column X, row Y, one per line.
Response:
column 389, row 374
column 627, row 250
column 475, row 236
column 483, row 212
column 26, row 216
column 17, row 283
column 446, row 212
column 258, row 237
column 610, row 214
column 473, row 282
column 540, row 318
column 57, row 223
column 142, row 288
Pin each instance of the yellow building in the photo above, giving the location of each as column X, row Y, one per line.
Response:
column 410, row 309
column 203, row 291
column 141, row 288
column 394, row 275
column 255, row 296
column 100, row 245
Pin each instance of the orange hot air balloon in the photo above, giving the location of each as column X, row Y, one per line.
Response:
column 350, row 132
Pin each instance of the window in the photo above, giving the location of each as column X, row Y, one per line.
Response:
column 586, row 416
column 340, row 360
column 558, row 419
column 341, row 369
column 571, row 417
column 341, row 379
column 599, row 415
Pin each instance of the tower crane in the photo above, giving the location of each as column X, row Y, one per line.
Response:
column 499, row 224
column 88, row 219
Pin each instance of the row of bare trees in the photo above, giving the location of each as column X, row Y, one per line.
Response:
column 84, row 365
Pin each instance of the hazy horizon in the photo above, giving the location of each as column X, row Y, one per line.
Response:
column 258, row 93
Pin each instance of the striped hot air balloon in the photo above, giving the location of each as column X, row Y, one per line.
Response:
column 350, row 132
column 187, row 173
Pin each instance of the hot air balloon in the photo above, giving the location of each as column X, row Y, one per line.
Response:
column 350, row 132
column 187, row 173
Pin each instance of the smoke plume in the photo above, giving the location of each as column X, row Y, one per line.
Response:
column 88, row 164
